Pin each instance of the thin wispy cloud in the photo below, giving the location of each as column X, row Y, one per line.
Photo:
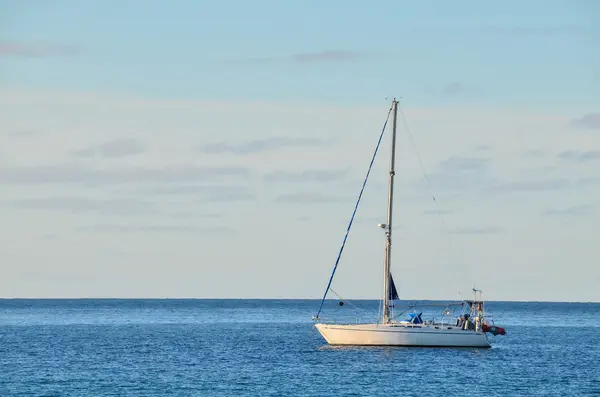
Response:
column 47, row 236
column 543, row 185
column 227, row 197
column 118, row 207
column 327, row 56
column 260, row 145
column 534, row 153
column 306, row 176
column 112, row 149
column 77, row 204
column 532, row 185
column 188, row 189
column 438, row 212
column 457, row 163
column 580, row 156
column 168, row 229
column 548, row 30
column 589, row 121
column 458, row 173
column 70, row 173
column 476, row 230
column 36, row 49
column 456, row 89
column 330, row 56
column 588, row 181
column 196, row 193
column 22, row 134
column 303, row 198
column 577, row 210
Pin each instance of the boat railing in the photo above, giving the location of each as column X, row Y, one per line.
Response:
column 346, row 320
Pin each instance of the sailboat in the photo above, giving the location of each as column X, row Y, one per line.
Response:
column 470, row 328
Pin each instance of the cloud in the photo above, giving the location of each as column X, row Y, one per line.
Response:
column 35, row 50
column 532, row 185
column 47, row 236
column 476, row 230
column 455, row 89
column 112, row 149
column 308, row 198
column 306, row 176
column 535, row 30
column 579, row 156
column 457, row 163
column 537, row 153
column 114, row 228
column 69, row 173
column 260, row 145
column 205, row 193
column 215, row 215
column 118, row 207
column 331, row 56
column 23, row 134
column 588, row 121
column 121, row 207
column 227, row 197
column 539, row 185
column 438, row 212
column 460, row 173
column 327, row 56
column 588, row 181
column 578, row 210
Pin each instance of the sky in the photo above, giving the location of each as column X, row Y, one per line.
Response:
column 216, row 149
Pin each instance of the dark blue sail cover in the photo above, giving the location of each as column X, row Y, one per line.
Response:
column 392, row 293
column 415, row 318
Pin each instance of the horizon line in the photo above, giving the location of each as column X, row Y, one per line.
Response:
column 274, row 299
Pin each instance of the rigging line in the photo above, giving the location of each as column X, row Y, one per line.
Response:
column 428, row 183
column 414, row 146
column 337, row 261
column 363, row 311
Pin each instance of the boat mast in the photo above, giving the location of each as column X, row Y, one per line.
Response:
column 388, row 234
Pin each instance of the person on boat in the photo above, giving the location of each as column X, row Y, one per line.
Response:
column 467, row 324
column 459, row 321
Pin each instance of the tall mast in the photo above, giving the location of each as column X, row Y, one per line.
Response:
column 388, row 234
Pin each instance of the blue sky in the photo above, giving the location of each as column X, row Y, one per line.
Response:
column 162, row 149
column 517, row 52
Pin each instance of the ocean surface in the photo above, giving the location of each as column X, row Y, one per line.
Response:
column 269, row 348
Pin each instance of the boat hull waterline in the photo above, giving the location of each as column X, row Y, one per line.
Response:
column 398, row 335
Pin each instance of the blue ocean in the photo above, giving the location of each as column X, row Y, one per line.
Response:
column 269, row 348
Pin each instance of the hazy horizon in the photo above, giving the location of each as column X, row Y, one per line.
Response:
column 198, row 149
column 316, row 300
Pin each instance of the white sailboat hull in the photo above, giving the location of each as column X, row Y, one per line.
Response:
column 400, row 335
